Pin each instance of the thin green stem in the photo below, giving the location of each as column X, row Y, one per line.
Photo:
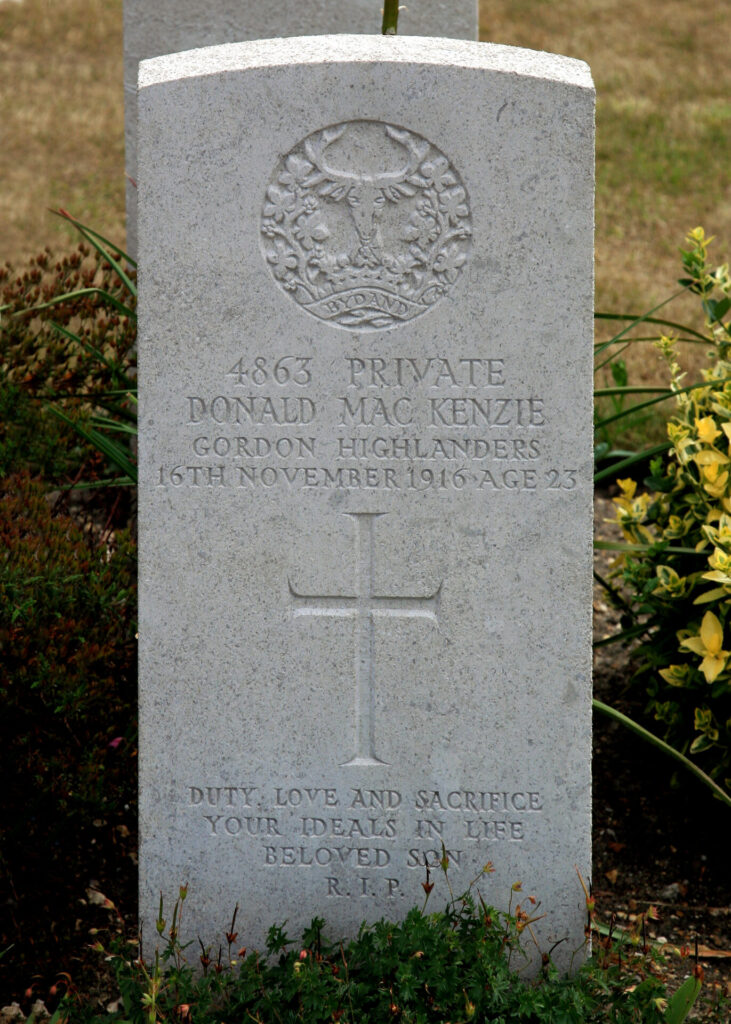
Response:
column 650, row 737
column 100, row 243
column 80, row 294
column 645, row 339
column 631, row 633
column 617, row 467
column 653, row 401
column 616, row 545
column 647, row 320
column 612, row 357
column 615, row 594
column 632, row 389
column 637, row 407
column 390, row 17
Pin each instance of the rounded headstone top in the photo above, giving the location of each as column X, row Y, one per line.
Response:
column 337, row 49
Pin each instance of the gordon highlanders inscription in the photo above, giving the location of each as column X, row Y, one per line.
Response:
column 365, row 479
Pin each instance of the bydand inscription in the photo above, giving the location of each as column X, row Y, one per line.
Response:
column 249, row 434
column 358, row 841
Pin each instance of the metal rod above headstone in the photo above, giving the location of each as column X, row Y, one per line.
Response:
column 156, row 27
column 365, row 478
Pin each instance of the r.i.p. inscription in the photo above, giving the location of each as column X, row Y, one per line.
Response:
column 365, row 492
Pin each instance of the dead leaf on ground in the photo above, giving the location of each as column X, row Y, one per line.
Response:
column 98, row 899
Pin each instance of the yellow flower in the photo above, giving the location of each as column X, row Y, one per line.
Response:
column 708, row 645
column 707, row 429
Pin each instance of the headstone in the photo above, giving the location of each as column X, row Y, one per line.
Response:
column 366, row 479
column 155, row 27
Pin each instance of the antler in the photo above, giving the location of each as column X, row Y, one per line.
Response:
column 417, row 151
column 315, row 150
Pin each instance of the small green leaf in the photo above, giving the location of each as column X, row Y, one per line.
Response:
column 680, row 1004
column 701, row 743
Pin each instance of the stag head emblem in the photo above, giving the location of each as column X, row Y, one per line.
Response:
column 365, row 194
column 366, row 224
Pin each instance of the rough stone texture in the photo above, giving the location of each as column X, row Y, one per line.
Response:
column 155, row 27
column 366, row 479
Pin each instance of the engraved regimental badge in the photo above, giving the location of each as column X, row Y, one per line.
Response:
column 366, row 225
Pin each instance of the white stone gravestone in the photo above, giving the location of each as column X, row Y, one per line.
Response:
column 366, row 479
column 155, row 27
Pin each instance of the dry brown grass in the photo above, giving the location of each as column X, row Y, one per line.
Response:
column 61, row 121
column 663, row 135
column 663, row 126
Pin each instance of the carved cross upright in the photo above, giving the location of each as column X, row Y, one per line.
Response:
column 363, row 607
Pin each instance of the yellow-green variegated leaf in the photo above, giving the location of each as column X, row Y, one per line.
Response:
column 676, row 675
column 711, row 633
column 710, row 457
column 716, row 594
column 700, row 743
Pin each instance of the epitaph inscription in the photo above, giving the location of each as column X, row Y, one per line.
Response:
column 366, row 225
column 360, row 841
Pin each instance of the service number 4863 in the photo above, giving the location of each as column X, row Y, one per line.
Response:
column 259, row 371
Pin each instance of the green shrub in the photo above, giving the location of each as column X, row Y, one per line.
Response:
column 460, row 964
column 678, row 575
column 32, row 438
column 67, row 337
column 67, row 693
column 67, row 636
column 36, row 351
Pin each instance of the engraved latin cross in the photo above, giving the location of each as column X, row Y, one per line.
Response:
column 364, row 607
